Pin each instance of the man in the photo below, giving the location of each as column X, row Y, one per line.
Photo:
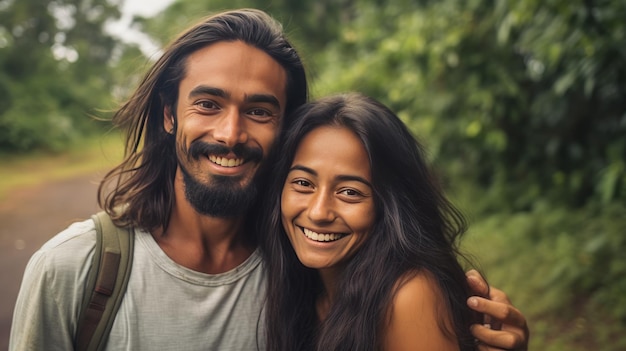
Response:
column 207, row 115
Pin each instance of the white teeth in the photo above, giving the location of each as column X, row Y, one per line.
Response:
column 226, row 162
column 321, row 237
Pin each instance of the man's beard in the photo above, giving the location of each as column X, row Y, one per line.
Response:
column 225, row 196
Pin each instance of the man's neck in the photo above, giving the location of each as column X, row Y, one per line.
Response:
column 204, row 243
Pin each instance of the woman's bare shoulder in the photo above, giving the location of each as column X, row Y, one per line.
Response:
column 416, row 316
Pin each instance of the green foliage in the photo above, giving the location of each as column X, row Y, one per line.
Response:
column 311, row 25
column 524, row 97
column 556, row 259
column 27, row 125
column 55, row 71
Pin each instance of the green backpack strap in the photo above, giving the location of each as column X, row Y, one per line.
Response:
column 106, row 283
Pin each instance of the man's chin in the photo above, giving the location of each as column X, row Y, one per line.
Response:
column 225, row 197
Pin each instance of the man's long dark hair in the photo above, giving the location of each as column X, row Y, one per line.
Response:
column 415, row 230
column 140, row 191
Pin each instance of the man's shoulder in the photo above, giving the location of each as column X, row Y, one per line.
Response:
column 48, row 304
column 76, row 234
column 69, row 250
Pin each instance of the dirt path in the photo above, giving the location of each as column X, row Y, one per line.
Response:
column 28, row 218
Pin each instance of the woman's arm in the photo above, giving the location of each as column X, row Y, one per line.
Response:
column 416, row 318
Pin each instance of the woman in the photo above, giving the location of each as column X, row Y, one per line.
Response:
column 365, row 255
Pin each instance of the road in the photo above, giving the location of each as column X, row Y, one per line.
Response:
column 28, row 218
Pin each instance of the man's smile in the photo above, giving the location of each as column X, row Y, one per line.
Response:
column 225, row 161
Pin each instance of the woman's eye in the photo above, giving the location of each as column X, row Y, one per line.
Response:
column 302, row 183
column 350, row 193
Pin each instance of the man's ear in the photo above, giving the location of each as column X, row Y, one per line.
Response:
column 168, row 120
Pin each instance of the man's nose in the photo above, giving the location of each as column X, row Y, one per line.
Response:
column 230, row 129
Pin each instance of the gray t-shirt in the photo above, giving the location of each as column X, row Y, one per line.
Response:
column 166, row 306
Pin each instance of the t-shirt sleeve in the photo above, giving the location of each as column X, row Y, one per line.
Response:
column 48, row 304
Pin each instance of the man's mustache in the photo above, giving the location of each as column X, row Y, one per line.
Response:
column 199, row 149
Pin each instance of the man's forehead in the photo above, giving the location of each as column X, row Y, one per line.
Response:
column 236, row 67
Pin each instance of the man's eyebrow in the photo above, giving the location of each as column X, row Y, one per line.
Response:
column 207, row 90
column 264, row 98
column 341, row 177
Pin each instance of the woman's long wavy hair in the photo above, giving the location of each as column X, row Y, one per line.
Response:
column 139, row 191
column 415, row 229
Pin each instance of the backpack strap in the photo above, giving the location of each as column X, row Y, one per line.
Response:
column 106, row 283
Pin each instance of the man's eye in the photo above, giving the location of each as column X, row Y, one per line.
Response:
column 261, row 115
column 207, row 104
column 260, row 112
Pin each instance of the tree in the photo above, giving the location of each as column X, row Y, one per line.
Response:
column 311, row 25
column 54, row 59
column 524, row 98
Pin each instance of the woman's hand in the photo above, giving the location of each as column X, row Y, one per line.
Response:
column 504, row 326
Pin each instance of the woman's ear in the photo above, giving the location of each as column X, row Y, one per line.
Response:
column 169, row 120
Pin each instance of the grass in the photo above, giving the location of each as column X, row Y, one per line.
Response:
column 563, row 269
column 98, row 153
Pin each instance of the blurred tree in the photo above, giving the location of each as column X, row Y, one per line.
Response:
column 54, row 59
column 525, row 98
column 310, row 24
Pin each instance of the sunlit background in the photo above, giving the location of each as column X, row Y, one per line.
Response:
column 521, row 105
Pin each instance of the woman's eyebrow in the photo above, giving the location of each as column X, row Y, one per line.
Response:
column 341, row 177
